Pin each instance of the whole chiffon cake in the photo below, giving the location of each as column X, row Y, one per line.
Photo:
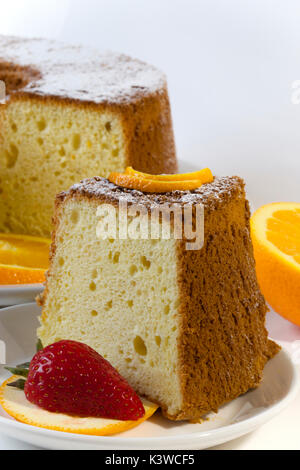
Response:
column 72, row 112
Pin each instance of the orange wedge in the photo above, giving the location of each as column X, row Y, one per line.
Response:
column 276, row 238
column 23, row 259
column 15, row 403
column 204, row 175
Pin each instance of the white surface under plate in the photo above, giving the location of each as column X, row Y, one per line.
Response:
column 243, row 415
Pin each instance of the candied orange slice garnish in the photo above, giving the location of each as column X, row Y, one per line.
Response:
column 204, row 175
column 132, row 179
column 23, row 259
column 152, row 186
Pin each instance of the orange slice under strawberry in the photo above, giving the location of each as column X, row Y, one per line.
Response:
column 15, row 403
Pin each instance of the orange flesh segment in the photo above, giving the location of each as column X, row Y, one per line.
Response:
column 283, row 230
column 275, row 230
column 23, row 259
column 12, row 275
column 21, row 250
column 161, row 183
column 14, row 402
column 204, row 175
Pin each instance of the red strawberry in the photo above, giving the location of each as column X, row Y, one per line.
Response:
column 70, row 377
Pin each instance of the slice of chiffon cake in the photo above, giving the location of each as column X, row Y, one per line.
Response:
column 186, row 328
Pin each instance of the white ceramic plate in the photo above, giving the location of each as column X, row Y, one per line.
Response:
column 19, row 294
column 279, row 387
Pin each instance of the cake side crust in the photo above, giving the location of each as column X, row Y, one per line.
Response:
column 224, row 344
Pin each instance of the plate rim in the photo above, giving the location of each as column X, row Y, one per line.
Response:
column 20, row 287
column 227, row 432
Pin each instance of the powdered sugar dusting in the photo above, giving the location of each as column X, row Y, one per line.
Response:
column 209, row 194
column 81, row 73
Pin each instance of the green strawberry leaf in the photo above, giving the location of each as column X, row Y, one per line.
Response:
column 20, row 384
column 18, row 371
column 39, row 345
column 26, row 365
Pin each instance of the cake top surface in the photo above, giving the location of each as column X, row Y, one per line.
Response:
column 78, row 72
column 211, row 193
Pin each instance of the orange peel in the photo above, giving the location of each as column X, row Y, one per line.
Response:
column 15, row 403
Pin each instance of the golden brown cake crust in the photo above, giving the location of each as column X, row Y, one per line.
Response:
column 16, row 77
column 223, row 344
column 212, row 195
column 44, row 70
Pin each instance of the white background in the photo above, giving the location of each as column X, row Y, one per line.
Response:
column 230, row 66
